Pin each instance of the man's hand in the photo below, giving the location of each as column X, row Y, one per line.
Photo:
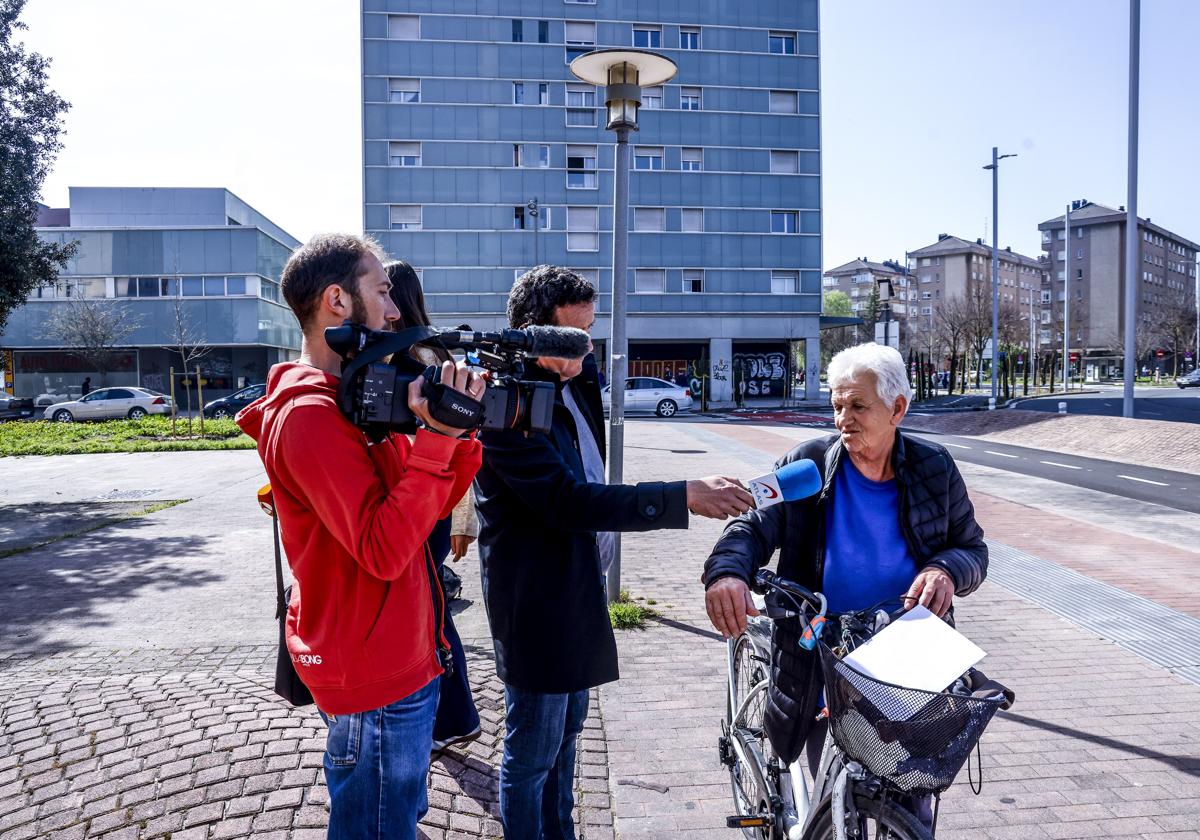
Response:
column 718, row 497
column 459, row 543
column 932, row 589
column 455, row 376
column 728, row 603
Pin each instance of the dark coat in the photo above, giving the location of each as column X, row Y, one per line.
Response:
column 939, row 527
column 538, row 517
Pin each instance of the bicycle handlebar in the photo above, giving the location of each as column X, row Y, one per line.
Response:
column 765, row 579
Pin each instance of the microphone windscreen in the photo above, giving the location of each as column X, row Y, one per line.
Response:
column 558, row 342
column 798, row 480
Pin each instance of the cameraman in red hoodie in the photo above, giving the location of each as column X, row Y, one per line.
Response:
column 364, row 623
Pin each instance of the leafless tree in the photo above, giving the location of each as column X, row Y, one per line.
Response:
column 186, row 338
column 93, row 329
column 950, row 324
column 1176, row 325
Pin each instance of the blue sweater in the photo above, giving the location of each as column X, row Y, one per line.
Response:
column 866, row 558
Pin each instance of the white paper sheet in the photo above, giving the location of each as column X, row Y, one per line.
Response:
column 917, row 650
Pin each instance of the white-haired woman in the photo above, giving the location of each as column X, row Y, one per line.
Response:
column 892, row 524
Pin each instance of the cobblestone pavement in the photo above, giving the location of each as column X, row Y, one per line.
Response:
column 135, row 695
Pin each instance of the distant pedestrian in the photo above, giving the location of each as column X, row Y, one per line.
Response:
column 86, row 387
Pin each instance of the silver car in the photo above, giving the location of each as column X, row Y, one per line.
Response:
column 646, row 393
column 109, row 404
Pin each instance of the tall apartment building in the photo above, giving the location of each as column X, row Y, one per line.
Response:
column 198, row 257
column 483, row 156
column 953, row 267
column 1166, row 279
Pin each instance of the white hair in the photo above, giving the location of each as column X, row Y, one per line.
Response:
column 884, row 363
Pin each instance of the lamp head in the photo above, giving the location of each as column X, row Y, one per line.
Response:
column 623, row 74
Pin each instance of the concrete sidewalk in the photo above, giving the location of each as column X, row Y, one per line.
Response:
column 135, row 667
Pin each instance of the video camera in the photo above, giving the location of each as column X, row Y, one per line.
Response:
column 373, row 392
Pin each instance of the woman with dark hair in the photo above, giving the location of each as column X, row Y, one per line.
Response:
column 457, row 719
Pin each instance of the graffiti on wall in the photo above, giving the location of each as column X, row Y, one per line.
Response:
column 763, row 374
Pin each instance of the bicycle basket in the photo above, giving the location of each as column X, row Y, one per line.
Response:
column 917, row 740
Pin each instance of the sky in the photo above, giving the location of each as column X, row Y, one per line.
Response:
column 262, row 97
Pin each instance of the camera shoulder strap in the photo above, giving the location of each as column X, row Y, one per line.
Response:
column 280, row 604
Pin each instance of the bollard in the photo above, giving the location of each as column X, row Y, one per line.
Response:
column 991, row 403
column 1062, row 406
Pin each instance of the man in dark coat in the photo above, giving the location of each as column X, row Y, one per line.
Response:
column 546, row 519
column 892, row 524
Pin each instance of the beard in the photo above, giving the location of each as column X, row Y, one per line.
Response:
column 358, row 310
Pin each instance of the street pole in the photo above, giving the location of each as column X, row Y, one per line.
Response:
column 1131, row 222
column 995, row 268
column 1067, row 301
column 618, row 354
column 536, row 213
column 1196, row 345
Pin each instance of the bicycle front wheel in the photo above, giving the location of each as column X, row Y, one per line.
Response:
column 752, row 792
column 876, row 820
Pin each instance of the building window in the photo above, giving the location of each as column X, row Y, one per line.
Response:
column 405, row 216
column 689, row 38
column 519, row 218
column 403, row 27
column 646, row 157
column 647, row 38
column 691, row 159
column 784, row 221
column 785, row 282
column 782, row 43
column 693, row 280
column 1079, row 254
column 524, row 93
column 785, row 102
column 691, row 220
column 404, row 90
column 652, row 98
column 583, row 229
column 785, row 162
column 649, row 280
column 404, row 154
column 580, row 37
column 689, row 98
column 544, row 157
column 581, row 97
column 543, row 32
column 518, row 31
column 649, row 219
column 581, row 167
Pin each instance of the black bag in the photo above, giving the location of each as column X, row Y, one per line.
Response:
column 288, row 684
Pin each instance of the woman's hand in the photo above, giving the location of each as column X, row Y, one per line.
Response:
column 933, row 589
column 459, row 543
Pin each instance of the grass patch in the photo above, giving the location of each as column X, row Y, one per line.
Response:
column 627, row 614
column 150, row 434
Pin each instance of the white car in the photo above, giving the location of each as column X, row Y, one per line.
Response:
column 109, row 404
column 645, row 393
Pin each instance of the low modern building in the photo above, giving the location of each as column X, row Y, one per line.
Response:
column 484, row 156
column 1166, row 285
column 199, row 265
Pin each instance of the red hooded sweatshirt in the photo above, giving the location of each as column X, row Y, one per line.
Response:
column 364, row 623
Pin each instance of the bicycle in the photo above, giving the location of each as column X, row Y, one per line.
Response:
column 886, row 748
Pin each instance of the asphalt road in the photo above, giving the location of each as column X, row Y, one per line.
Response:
column 1177, row 490
column 1181, row 405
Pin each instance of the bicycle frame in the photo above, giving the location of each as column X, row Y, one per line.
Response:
column 794, row 792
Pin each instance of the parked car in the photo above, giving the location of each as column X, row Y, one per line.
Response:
column 1189, row 380
column 12, row 408
column 645, row 393
column 109, row 404
column 231, row 405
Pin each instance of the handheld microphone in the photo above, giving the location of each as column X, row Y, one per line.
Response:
column 790, row 483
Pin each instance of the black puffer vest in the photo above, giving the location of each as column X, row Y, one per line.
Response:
column 938, row 523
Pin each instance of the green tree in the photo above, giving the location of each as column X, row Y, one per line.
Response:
column 30, row 130
column 836, row 303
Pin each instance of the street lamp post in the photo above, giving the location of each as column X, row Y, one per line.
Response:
column 1131, row 220
column 1067, row 301
column 622, row 74
column 535, row 213
column 995, row 167
column 884, row 284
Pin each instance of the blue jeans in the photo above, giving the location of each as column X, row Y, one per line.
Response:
column 377, row 766
column 537, row 773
